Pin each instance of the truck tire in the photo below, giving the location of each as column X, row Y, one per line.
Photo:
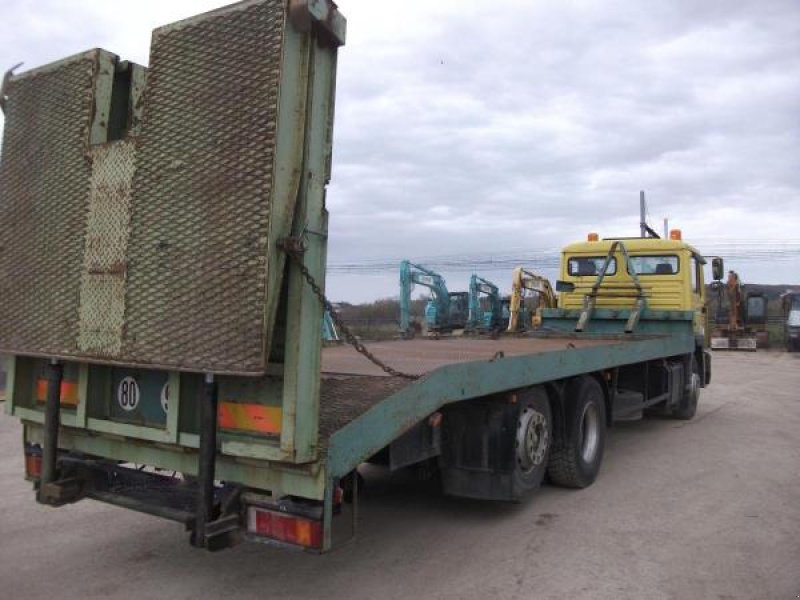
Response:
column 534, row 437
column 577, row 454
column 687, row 407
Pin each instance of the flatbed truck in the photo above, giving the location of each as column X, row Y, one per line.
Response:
column 163, row 236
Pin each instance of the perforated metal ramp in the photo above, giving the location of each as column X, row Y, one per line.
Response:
column 44, row 185
column 157, row 249
column 343, row 400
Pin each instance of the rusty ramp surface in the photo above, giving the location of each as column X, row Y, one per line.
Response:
column 343, row 400
column 420, row 356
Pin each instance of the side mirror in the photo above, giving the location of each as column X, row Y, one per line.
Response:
column 565, row 286
column 717, row 268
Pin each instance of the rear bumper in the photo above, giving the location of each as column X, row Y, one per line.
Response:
column 179, row 498
column 745, row 342
column 165, row 495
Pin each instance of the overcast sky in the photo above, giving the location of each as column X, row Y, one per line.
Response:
column 474, row 129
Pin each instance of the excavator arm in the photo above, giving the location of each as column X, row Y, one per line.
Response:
column 477, row 286
column 439, row 308
column 523, row 282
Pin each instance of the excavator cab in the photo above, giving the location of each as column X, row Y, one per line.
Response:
column 459, row 309
column 756, row 309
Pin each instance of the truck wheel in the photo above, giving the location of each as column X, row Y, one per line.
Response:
column 687, row 407
column 533, row 441
column 576, row 457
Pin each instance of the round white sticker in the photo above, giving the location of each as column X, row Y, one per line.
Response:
column 165, row 397
column 128, row 394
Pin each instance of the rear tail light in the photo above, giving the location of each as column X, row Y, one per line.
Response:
column 33, row 461
column 285, row 527
column 69, row 394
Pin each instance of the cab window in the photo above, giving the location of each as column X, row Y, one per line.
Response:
column 697, row 280
column 590, row 265
column 663, row 264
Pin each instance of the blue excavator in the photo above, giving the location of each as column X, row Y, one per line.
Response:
column 480, row 318
column 445, row 310
column 330, row 335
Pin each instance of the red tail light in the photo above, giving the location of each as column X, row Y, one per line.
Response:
column 284, row 527
column 33, row 461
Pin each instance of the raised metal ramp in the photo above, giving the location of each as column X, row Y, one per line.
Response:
column 140, row 208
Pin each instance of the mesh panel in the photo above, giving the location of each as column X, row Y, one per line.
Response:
column 102, row 298
column 153, row 250
column 198, row 247
column 44, row 180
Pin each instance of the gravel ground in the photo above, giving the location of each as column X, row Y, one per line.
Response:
column 703, row 509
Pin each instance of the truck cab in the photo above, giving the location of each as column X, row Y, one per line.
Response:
column 670, row 273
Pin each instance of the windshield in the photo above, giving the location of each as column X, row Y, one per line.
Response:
column 665, row 264
column 794, row 316
column 590, row 265
column 756, row 306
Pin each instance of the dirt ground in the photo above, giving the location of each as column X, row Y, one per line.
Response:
column 703, row 509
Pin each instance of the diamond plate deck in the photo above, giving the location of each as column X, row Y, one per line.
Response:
column 344, row 400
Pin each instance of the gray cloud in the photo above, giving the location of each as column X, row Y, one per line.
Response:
column 477, row 128
column 499, row 126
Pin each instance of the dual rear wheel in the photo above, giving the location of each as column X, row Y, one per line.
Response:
column 578, row 453
column 571, row 457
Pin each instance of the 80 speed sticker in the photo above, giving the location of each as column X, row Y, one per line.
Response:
column 128, row 394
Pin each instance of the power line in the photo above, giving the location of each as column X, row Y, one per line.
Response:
column 739, row 251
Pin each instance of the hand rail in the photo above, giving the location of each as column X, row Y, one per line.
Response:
column 590, row 300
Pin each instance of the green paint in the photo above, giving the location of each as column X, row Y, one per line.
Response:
column 305, row 482
column 104, row 67
column 363, row 437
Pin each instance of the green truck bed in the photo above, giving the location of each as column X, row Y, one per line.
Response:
column 362, row 411
column 156, row 301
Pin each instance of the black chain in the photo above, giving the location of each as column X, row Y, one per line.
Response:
column 296, row 255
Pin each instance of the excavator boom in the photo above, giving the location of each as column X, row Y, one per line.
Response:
column 527, row 281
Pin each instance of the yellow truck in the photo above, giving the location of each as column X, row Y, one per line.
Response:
column 663, row 274
column 630, row 277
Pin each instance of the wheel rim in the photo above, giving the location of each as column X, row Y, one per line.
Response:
column 533, row 439
column 590, row 432
column 694, row 388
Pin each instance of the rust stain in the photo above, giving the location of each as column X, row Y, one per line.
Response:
column 117, row 268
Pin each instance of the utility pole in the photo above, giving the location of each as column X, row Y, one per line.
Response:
column 666, row 228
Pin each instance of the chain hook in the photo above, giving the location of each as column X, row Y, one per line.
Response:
column 6, row 78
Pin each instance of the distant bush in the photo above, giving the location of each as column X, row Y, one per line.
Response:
column 385, row 309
